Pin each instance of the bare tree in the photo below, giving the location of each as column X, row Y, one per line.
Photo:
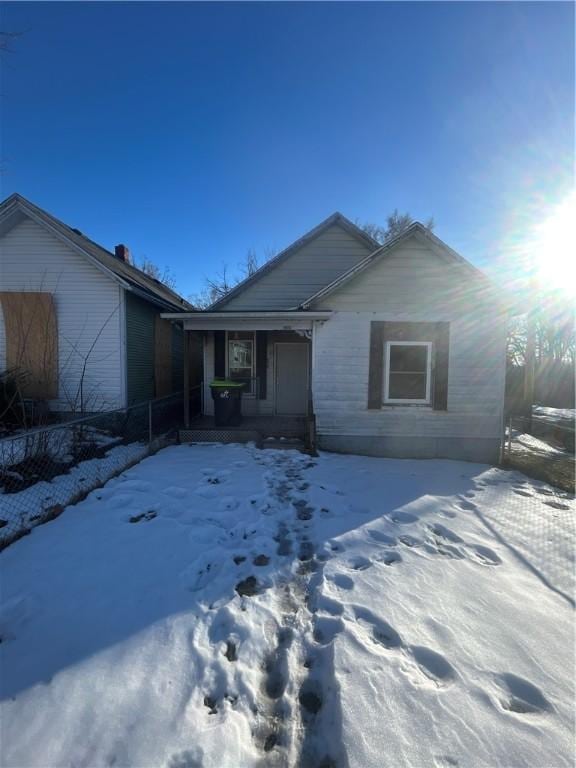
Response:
column 250, row 263
column 554, row 332
column 217, row 287
column 165, row 276
column 396, row 223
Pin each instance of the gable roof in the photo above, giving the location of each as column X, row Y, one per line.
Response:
column 129, row 276
column 335, row 218
column 447, row 254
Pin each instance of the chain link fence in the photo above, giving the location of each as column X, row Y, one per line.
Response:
column 541, row 449
column 43, row 470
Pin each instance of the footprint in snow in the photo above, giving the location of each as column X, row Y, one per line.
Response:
column 521, row 696
column 440, row 547
column 389, row 558
column 556, row 505
column 328, row 605
column 326, row 629
column 247, row 587
column 433, row 665
column 306, row 551
column 403, row 518
column 382, row 633
column 445, row 533
column 342, row 581
column 310, row 698
column 381, row 538
column 484, row 555
column 358, row 563
column 526, row 494
column 143, row 516
column 468, row 506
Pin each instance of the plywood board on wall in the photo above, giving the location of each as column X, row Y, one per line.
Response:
column 31, row 329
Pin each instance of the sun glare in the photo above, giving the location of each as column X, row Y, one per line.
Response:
column 553, row 248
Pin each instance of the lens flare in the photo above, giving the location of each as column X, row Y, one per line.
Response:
column 552, row 248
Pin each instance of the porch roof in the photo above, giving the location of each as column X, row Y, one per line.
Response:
column 250, row 321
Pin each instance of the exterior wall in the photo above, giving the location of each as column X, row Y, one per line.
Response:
column 89, row 309
column 141, row 351
column 140, row 318
column 411, row 284
column 303, row 273
column 251, row 406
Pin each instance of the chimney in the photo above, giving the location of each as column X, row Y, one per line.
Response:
column 122, row 252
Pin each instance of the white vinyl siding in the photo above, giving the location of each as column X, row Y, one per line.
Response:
column 412, row 284
column 88, row 306
column 303, row 273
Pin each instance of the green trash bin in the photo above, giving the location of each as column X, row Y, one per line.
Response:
column 227, row 396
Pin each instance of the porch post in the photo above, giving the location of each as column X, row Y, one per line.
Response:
column 186, row 355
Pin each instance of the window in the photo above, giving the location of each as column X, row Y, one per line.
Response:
column 241, row 358
column 408, row 372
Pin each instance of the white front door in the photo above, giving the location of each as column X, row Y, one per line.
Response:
column 292, row 378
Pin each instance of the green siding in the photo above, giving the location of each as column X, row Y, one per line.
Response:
column 139, row 348
column 177, row 359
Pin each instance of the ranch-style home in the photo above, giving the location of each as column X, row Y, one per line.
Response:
column 388, row 350
column 82, row 324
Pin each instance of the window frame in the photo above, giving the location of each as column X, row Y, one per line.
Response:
column 405, row 401
column 251, row 390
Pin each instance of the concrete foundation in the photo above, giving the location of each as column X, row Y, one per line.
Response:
column 479, row 449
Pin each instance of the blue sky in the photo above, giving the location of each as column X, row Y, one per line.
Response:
column 193, row 132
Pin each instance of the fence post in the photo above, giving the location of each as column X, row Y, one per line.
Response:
column 509, row 436
column 149, row 422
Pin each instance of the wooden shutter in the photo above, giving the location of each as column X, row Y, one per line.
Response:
column 262, row 362
column 437, row 333
column 376, row 363
column 441, row 365
column 220, row 354
column 32, row 341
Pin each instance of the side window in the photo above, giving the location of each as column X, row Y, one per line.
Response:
column 408, row 372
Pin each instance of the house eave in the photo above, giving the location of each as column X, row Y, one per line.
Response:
column 255, row 321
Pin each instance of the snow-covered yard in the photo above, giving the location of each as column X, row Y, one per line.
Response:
column 223, row 606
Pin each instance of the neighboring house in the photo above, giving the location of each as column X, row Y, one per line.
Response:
column 82, row 323
column 392, row 350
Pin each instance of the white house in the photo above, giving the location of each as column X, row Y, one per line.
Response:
column 389, row 350
column 82, row 324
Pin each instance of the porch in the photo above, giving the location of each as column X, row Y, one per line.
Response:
column 260, row 429
column 272, row 354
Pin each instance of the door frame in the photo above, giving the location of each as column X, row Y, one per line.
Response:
column 308, row 347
